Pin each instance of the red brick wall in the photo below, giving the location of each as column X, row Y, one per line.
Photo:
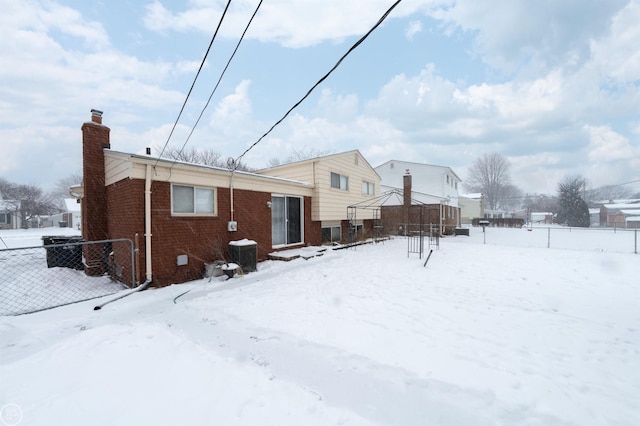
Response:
column 125, row 203
column 312, row 229
column 117, row 211
column 95, row 137
column 197, row 237
column 394, row 217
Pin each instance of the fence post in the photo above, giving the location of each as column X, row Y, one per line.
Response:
column 548, row 237
column 635, row 241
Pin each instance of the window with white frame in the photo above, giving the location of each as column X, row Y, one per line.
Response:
column 368, row 188
column 5, row 218
column 186, row 199
column 339, row 181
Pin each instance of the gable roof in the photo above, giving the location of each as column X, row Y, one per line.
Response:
column 320, row 158
column 8, row 205
column 415, row 168
column 71, row 205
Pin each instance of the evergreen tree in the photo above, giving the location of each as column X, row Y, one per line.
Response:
column 572, row 209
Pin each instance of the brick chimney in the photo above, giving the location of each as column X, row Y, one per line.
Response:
column 406, row 188
column 95, row 139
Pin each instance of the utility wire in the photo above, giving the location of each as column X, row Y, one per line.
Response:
column 219, row 79
column 356, row 44
column 194, row 82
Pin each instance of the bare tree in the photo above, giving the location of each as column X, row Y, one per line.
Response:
column 298, row 155
column 60, row 190
column 207, row 157
column 27, row 201
column 489, row 175
column 510, row 197
column 274, row 162
column 541, row 203
column 607, row 193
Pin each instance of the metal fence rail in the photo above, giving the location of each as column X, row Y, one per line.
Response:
column 593, row 239
column 59, row 273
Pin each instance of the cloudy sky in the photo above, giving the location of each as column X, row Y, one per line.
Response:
column 554, row 86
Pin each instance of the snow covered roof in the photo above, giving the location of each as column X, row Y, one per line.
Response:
column 8, row 205
column 473, row 196
column 71, row 205
column 165, row 161
column 621, row 206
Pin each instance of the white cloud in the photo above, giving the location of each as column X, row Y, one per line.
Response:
column 336, row 107
column 605, row 145
column 618, row 54
column 293, row 24
column 413, row 28
column 515, row 99
column 516, row 34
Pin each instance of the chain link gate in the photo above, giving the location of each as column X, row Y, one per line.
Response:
column 63, row 270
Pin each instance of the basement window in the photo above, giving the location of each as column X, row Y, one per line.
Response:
column 331, row 234
column 193, row 200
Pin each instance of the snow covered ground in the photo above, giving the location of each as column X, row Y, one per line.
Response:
column 486, row 334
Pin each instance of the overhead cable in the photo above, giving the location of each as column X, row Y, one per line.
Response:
column 219, row 79
column 356, row 44
column 194, row 82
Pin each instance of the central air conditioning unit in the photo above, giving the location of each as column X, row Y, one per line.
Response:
column 232, row 226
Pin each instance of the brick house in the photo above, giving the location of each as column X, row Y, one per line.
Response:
column 428, row 194
column 616, row 214
column 180, row 209
column 184, row 214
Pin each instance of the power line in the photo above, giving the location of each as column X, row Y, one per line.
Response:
column 194, row 81
column 219, row 79
column 323, row 78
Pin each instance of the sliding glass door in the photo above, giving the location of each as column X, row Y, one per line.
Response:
column 286, row 220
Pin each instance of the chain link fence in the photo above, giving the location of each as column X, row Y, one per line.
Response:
column 63, row 270
column 591, row 239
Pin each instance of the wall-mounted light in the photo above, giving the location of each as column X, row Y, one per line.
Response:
column 268, row 204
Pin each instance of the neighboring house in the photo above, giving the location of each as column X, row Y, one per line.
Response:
column 434, row 189
column 9, row 218
column 594, row 217
column 184, row 215
column 439, row 183
column 69, row 217
column 633, row 222
column 471, row 207
column 542, row 217
column 340, row 182
column 615, row 215
column 405, row 211
column 496, row 214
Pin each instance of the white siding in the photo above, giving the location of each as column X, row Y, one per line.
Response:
column 427, row 179
column 330, row 204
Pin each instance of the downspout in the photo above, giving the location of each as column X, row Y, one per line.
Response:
column 147, row 242
column 233, row 172
column 147, row 223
